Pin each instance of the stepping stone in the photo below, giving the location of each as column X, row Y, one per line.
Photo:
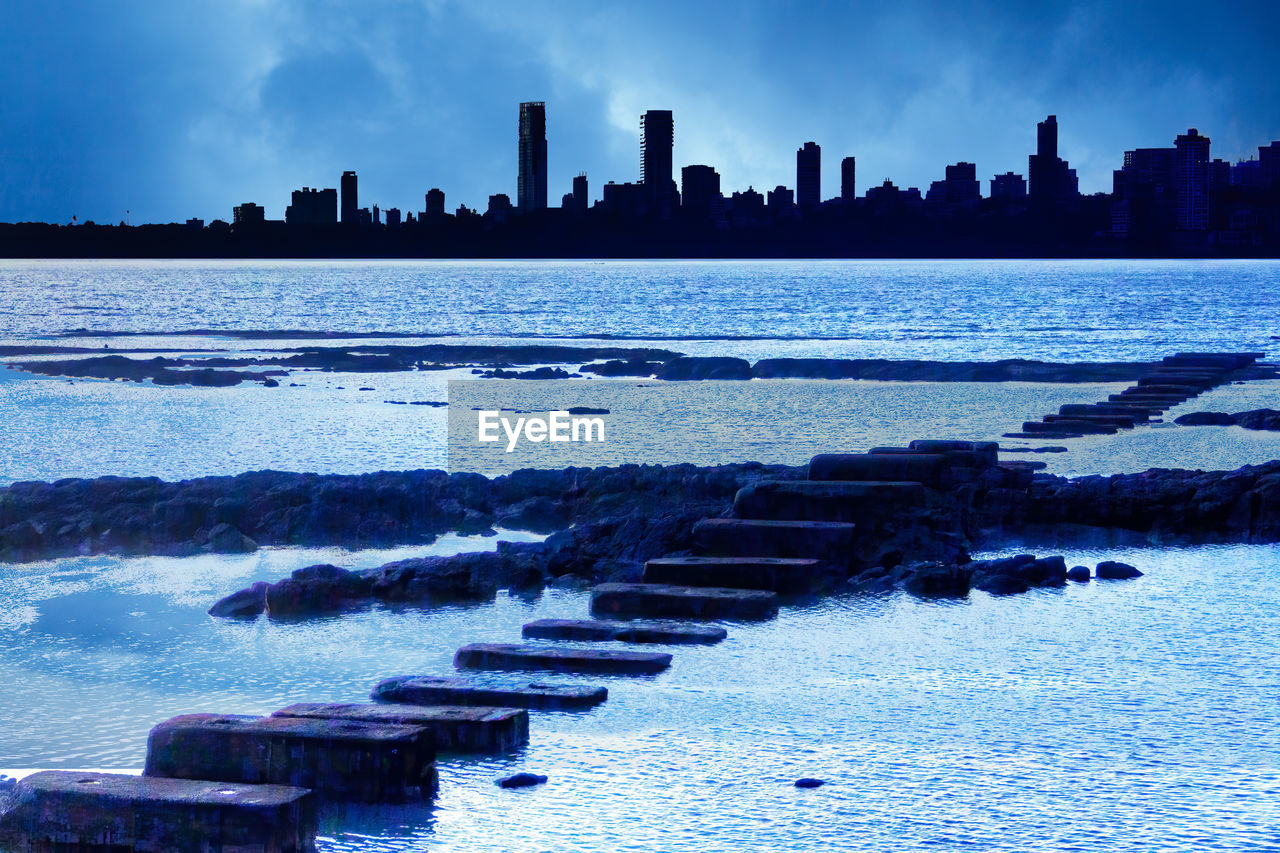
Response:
column 108, row 812
column 454, row 728
column 511, row 656
column 777, row 574
column 830, row 541
column 1133, row 413
column 1083, row 427
column 682, row 602
column 987, row 449
column 928, row 468
column 1120, row 421
column 807, row 500
column 595, row 630
column 1041, row 435
column 1226, row 360
column 434, row 690
column 1162, row 384
column 338, row 759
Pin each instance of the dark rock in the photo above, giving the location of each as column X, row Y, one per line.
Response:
column 1006, row 370
column 317, row 590
column 521, row 780
column 537, row 373
column 245, row 604
column 1111, row 570
column 643, row 369
column 586, row 410
column 704, row 367
column 1204, row 419
column 1079, row 574
column 934, row 580
column 1260, row 419
column 225, row 539
column 807, row 782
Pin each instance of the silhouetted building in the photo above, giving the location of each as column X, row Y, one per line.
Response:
column 1051, row 181
column 962, row 184
column 1191, row 181
column 312, row 207
column 1269, row 165
column 248, row 214
column 1009, row 186
column 1247, row 174
column 350, row 202
column 580, row 198
column 435, row 203
column 657, row 138
column 195, row 224
column 781, row 200
column 531, row 188
column 848, row 182
column 499, row 208
column 699, row 190
column 364, row 217
column 625, row 200
column 393, row 217
column 809, row 175
column 1143, row 193
column 377, row 215
column 746, row 208
column 1219, row 176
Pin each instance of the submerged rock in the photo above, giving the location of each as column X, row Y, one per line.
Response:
column 808, row 782
column 1079, row 574
column 704, row 367
column 1111, row 570
column 245, row 604
column 521, row 780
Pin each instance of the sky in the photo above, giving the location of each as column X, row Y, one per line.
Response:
column 181, row 109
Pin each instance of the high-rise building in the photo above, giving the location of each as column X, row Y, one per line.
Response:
column 248, row 214
column 377, row 215
column 1010, row 185
column 581, row 197
column 657, row 138
column 1269, row 165
column 809, row 175
column 962, row 184
column 531, row 188
column 393, row 217
column 780, row 200
column 350, row 199
column 848, row 184
column 699, row 189
column 1191, row 181
column 313, row 207
column 1051, row 182
column 435, row 203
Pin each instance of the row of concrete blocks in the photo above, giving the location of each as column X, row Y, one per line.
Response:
column 223, row 783
column 1177, row 379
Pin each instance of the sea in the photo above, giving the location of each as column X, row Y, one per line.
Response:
column 1109, row 716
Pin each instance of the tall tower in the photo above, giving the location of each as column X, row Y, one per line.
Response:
column 657, row 137
column 1191, row 181
column 848, row 172
column 809, row 175
column 350, row 199
column 531, row 189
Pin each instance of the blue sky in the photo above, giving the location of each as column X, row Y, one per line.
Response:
column 183, row 109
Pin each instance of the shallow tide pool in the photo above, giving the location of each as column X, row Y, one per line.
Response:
column 1135, row 715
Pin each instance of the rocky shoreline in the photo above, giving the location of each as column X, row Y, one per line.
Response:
column 604, row 524
column 496, row 361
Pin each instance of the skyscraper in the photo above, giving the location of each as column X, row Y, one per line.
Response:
column 580, row 194
column 699, row 189
column 350, row 199
column 531, row 189
column 657, row 137
column 809, row 175
column 1191, row 181
column 435, row 203
column 1050, row 180
column 848, row 185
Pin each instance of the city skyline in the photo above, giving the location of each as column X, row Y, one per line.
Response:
column 168, row 114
